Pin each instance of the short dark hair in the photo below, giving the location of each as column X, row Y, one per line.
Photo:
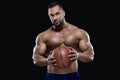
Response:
column 54, row 3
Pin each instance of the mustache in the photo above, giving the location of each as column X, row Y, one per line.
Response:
column 56, row 21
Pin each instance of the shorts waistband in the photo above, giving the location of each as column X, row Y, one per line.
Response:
column 68, row 74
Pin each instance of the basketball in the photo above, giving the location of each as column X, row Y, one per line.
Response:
column 61, row 56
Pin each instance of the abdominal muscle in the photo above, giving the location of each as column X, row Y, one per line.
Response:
column 55, row 70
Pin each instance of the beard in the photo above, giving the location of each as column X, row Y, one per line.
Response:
column 58, row 23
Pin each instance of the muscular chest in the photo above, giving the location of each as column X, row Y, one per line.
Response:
column 66, row 38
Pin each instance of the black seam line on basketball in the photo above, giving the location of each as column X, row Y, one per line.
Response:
column 61, row 58
column 68, row 54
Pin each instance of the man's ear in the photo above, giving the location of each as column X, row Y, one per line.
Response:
column 63, row 12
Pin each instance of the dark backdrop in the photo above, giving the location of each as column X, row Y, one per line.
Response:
column 26, row 19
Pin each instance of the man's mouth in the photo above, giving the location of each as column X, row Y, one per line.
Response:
column 56, row 23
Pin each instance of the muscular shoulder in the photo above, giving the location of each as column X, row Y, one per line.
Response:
column 79, row 31
column 41, row 37
column 84, row 34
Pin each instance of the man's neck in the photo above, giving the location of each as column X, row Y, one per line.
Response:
column 61, row 27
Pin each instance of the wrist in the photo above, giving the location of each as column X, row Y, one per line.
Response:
column 78, row 55
column 47, row 61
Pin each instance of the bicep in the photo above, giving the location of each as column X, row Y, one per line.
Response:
column 39, row 49
column 85, row 43
column 39, row 52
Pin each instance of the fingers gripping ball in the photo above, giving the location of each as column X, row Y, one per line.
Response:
column 61, row 56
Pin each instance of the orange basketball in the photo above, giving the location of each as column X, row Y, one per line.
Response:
column 61, row 56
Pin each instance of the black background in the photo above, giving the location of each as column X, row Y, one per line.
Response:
column 23, row 21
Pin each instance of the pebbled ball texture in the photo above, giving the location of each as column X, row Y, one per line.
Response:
column 61, row 56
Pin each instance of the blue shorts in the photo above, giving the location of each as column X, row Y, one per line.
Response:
column 69, row 76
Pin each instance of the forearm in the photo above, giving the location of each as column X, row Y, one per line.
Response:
column 86, row 56
column 41, row 62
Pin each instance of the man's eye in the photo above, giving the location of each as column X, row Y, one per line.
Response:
column 57, row 13
column 51, row 15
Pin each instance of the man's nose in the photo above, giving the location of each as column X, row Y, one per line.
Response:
column 55, row 18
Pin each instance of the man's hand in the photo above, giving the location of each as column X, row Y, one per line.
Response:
column 51, row 60
column 73, row 54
